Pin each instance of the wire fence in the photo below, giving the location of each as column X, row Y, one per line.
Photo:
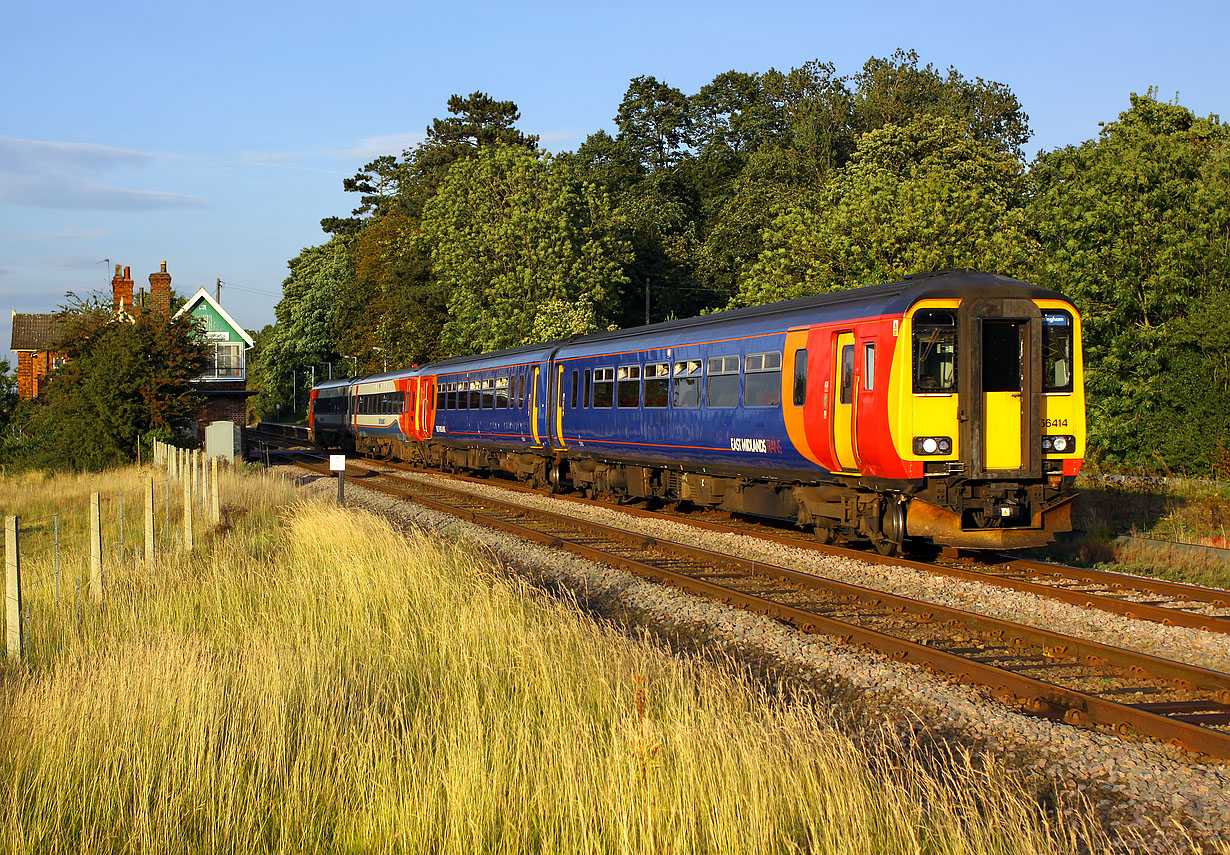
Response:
column 56, row 562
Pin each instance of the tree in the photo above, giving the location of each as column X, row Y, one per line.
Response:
column 478, row 122
column 735, row 112
column 654, row 120
column 507, row 232
column 1134, row 227
column 308, row 322
column 125, row 381
column 920, row 197
column 896, row 90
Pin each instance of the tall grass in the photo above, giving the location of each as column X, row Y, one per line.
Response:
column 316, row 681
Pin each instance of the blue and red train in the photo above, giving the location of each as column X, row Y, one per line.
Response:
column 948, row 406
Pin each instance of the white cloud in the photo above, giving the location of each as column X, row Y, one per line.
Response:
column 369, row 148
column 49, row 174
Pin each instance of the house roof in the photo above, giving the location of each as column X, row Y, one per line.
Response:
column 203, row 295
column 35, row 331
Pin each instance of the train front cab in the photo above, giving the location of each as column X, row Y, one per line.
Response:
column 990, row 413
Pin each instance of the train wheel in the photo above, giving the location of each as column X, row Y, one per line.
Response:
column 884, row 546
column 824, row 534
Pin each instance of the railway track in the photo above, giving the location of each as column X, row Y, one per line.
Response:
column 1136, row 597
column 1045, row 673
column 1141, row 598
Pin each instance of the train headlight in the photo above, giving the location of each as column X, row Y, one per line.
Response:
column 932, row 445
column 1061, row 444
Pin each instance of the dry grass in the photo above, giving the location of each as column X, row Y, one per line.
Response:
column 315, row 681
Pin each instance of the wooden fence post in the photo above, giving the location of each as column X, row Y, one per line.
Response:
column 187, row 514
column 215, row 500
column 149, row 519
column 96, row 572
column 12, row 599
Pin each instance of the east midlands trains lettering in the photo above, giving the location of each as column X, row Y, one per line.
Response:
column 920, row 409
column 758, row 446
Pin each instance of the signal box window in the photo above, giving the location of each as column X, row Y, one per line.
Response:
column 1057, row 352
column 722, row 389
column 762, row 379
column 935, row 351
column 629, row 386
column 686, row 391
column 847, row 374
column 604, row 387
column 800, row 377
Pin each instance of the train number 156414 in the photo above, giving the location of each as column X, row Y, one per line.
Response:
column 1055, row 423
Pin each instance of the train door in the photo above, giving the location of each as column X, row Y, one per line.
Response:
column 559, row 407
column 534, row 396
column 843, row 403
column 410, row 414
column 1001, row 386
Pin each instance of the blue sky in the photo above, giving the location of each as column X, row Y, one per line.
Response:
column 216, row 136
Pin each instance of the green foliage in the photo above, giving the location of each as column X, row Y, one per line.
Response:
column 655, row 121
column 1135, row 229
column 124, row 382
column 509, row 231
column 922, row 196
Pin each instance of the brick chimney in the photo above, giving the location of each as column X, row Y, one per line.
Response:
column 121, row 289
column 160, row 291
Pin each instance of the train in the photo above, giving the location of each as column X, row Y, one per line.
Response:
column 945, row 408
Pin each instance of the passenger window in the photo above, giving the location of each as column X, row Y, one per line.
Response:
column 629, row 378
column 521, row 391
column 501, row 393
column 685, row 393
column 1057, row 352
column 847, row 374
column 587, row 387
column 475, row 395
column 488, row 394
column 722, row 388
column 762, row 379
column 869, row 366
column 800, row 377
column 935, row 351
column 441, row 396
column 604, row 387
column 576, row 381
column 657, row 379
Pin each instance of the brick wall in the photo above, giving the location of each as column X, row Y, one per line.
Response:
column 32, row 368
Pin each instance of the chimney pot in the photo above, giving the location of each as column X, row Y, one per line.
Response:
column 164, row 267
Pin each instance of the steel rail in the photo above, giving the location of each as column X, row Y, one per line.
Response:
column 1083, row 599
column 1079, row 708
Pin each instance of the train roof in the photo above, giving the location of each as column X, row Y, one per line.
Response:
column 529, row 353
